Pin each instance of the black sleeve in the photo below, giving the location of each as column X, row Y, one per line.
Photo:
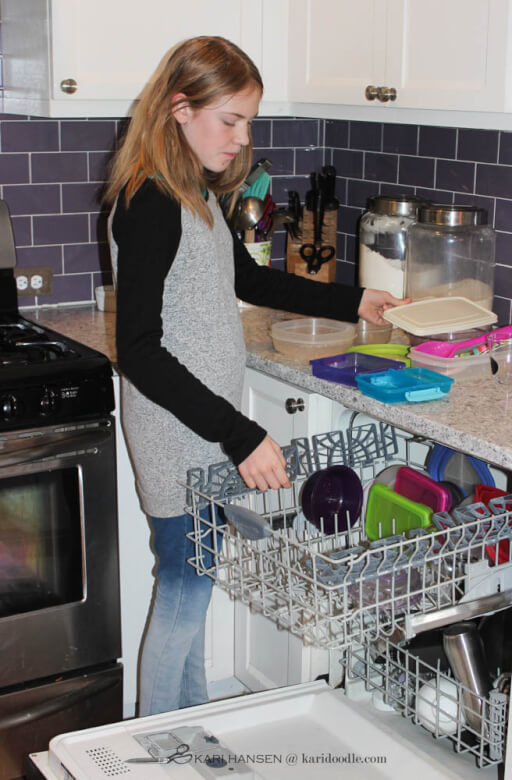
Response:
column 276, row 289
column 148, row 234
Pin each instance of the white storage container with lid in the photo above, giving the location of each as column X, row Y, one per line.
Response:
column 450, row 253
column 382, row 241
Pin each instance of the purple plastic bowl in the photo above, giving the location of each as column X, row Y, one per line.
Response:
column 331, row 492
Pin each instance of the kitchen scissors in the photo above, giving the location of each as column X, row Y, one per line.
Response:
column 181, row 755
column 315, row 255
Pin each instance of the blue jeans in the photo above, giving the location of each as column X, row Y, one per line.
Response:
column 172, row 664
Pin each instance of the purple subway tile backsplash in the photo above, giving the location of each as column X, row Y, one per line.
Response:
column 30, row 136
column 52, row 171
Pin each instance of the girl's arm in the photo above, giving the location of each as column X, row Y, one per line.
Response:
column 278, row 290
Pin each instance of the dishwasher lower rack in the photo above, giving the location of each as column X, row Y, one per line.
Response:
column 398, row 680
column 337, row 589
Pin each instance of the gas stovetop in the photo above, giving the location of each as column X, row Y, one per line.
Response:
column 46, row 378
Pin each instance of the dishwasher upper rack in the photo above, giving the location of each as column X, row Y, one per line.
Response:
column 333, row 590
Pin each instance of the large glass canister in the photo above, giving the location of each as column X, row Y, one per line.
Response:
column 382, row 241
column 450, row 252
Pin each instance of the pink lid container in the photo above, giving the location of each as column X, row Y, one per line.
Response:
column 419, row 487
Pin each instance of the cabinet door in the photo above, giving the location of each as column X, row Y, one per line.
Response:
column 448, row 55
column 285, row 411
column 336, row 49
column 266, row 656
column 437, row 55
column 110, row 49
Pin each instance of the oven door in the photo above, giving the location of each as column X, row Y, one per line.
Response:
column 59, row 575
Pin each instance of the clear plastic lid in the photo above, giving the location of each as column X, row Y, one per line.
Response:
column 439, row 315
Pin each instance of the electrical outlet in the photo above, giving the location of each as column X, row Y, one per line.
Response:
column 33, row 281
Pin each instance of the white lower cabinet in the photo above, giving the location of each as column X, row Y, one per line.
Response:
column 266, row 656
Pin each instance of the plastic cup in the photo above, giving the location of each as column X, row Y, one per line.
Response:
column 500, row 353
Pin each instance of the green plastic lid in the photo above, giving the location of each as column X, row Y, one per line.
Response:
column 389, row 513
column 390, row 351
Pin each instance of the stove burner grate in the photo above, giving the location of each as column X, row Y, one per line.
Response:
column 22, row 353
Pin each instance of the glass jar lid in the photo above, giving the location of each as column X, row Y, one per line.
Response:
column 452, row 215
column 396, row 205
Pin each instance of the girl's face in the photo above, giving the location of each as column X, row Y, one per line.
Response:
column 217, row 132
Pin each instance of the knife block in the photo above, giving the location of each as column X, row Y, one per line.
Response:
column 294, row 262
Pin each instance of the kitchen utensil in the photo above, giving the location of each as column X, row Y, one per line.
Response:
column 465, row 652
column 438, row 315
column 280, row 217
column 500, row 349
column 437, row 706
column 248, row 523
column 314, row 253
column 248, row 214
column 369, row 333
column 389, row 513
column 312, row 337
column 409, row 384
column 447, row 349
column 259, row 188
column 344, row 368
column 334, row 499
column 328, row 185
column 257, row 170
column 421, row 488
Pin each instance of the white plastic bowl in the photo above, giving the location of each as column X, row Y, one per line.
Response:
column 312, row 337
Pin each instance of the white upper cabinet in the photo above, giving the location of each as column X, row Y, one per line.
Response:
column 441, row 54
column 92, row 58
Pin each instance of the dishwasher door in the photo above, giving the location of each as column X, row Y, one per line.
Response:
column 299, row 732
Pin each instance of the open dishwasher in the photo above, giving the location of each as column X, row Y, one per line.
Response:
column 366, row 602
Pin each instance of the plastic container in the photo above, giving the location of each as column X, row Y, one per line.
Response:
column 105, row 298
column 414, row 385
column 450, row 251
column 368, row 333
column 382, row 241
column 462, row 369
column 314, row 337
column 344, row 368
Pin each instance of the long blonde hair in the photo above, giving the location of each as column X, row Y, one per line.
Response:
column 204, row 69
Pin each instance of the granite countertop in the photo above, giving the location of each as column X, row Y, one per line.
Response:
column 475, row 417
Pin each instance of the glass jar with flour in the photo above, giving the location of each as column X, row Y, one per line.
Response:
column 382, row 232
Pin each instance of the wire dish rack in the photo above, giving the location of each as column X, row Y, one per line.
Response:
column 433, row 699
column 341, row 588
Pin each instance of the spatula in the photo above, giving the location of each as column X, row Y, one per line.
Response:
column 447, row 349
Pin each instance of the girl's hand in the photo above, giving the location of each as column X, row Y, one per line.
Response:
column 375, row 302
column 264, row 468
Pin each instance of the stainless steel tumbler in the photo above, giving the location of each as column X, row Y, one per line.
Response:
column 465, row 652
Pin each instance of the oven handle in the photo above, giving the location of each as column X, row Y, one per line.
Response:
column 62, row 446
column 46, row 708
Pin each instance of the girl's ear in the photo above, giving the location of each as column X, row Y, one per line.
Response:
column 181, row 108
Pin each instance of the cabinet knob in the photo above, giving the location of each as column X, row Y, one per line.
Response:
column 293, row 405
column 69, row 86
column 371, row 93
column 386, row 93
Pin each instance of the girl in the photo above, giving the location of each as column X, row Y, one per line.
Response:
column 180, row 346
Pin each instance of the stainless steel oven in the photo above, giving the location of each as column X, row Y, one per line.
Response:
column 60, row 633
column 59, row 600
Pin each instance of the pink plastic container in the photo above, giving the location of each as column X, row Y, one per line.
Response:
column 419, row 487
